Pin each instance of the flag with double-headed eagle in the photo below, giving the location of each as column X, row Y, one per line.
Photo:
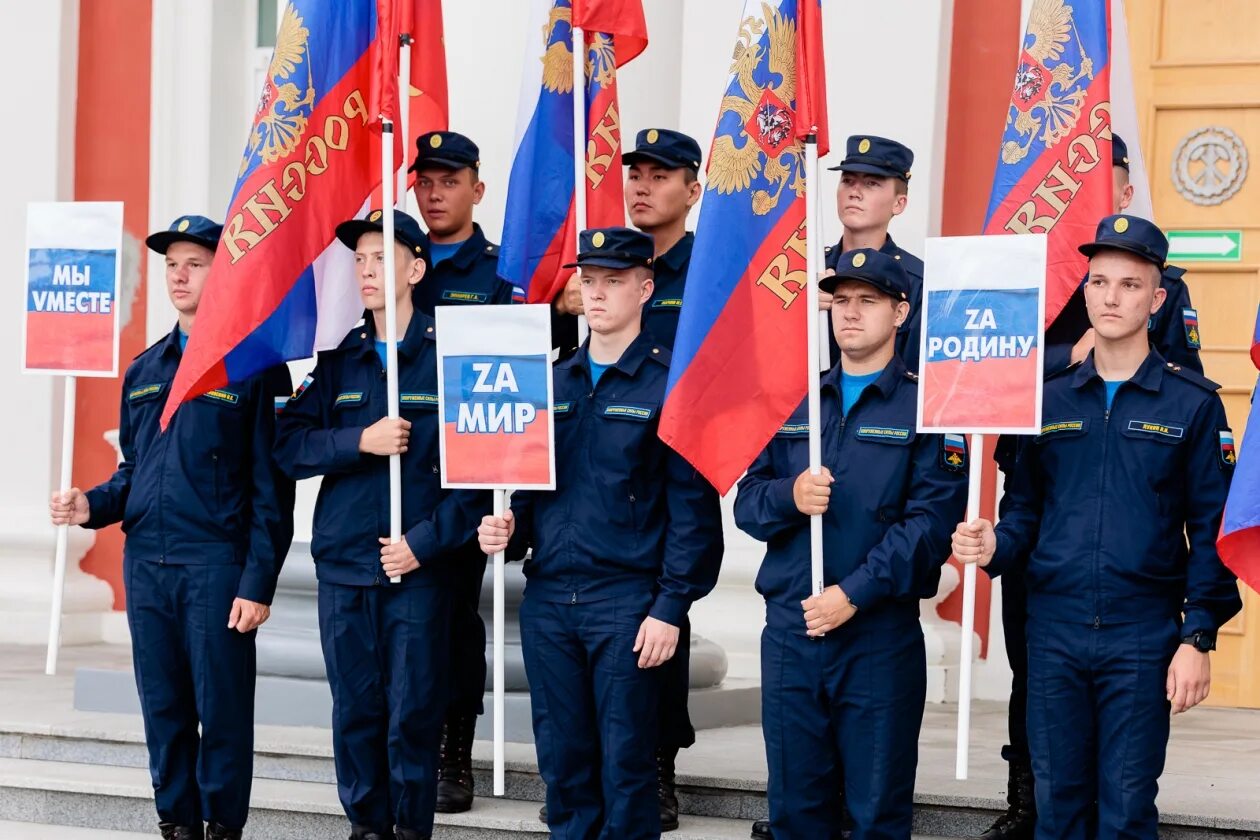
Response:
column 281, row 286
column 1054, row 165
column 540, row 225
column 1239, row 540
column 740, row 359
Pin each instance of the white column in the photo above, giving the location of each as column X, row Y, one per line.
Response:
column 45, row 47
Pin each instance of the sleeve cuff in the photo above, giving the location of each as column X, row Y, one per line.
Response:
column 861, row 590
column 780, row 496
column 420, row 541
column 98, row 515
column 670, row 609
column 1198, row 620
column 346, row 446
column 256, row 585
column 1001, row 561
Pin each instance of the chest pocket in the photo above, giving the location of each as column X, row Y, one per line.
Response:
column 624, row 428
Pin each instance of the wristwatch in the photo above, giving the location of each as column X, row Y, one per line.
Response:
column 1201, row 641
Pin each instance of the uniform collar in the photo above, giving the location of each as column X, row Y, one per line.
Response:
column 676, row 257
column 639, row 351
column 885, row 383
column 1148, row 377
column 468, row 251
column 889, row 247
column 170, row 344
column 362, row 339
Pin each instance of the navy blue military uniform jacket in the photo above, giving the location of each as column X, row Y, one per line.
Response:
column 628, row 513
column 470, row 275
column 660, row 314
column 1104, row 499
column 206, row 491
column 319, row 434
column 908, row 333
column 896, row 498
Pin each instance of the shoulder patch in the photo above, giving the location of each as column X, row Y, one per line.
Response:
column 953, row 452
column 280, row 403
column 1229, row 457
column 518, row 294
column 301, row 388
column 1190, row 318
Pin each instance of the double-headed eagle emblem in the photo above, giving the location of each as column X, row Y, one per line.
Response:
column 765, row 142
column 288, row 95
column 601, row 58
column 1049, row 91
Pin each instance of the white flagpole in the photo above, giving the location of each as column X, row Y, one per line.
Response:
column 63, row 531
column 391, row 326
column 500, row 502
column 579, row 149
column 404, row 114
column 968, row 615
column 812, row 371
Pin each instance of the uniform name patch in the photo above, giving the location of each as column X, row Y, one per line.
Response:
column 349, row 398
column 882, row 433
column 418, row 399
column 629, row 412
column 667, row 303
column 953, row 452
column 1228, row 456
column 1063, row 426
column 794, row 430
column 1150, row 427
column 562, row 407
column 464, row 297
column 1190, row 318
column 222, row 396
column 143, row 392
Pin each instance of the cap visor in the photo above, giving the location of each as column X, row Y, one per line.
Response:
column 438, row 163
column 1089, row 249
column 631, row 158
column 349, row 232
column 605, row 262
column 868, row 168
column 164, row 239
column 829, row 283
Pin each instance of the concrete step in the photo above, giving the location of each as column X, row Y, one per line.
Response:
column 11, row 830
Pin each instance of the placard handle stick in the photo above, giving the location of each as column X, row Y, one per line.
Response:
column 812, row 325
column 63, row 531
column 968, row 615
column 391, row 327
column 500, row 503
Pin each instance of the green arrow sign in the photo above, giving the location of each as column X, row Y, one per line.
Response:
column 1204, row 245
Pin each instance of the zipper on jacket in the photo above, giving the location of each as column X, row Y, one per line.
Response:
column 1102, row 497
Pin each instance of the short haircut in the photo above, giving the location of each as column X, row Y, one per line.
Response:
column 900, row 186
column 690, row 176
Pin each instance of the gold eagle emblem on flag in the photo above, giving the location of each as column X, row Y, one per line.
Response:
column 287, row 97
column 765, row 145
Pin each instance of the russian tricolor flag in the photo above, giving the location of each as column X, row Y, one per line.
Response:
column 1239, row 542
column 740, row 359
column 540, row 229
column 281, row 287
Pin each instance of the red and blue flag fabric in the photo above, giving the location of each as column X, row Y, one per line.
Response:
column 281, row 286
column 1239, row 541
column 740, row 358
column 540, row 228
column 1054, row 166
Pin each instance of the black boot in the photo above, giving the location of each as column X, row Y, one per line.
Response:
column 761, row 830
column 1020, row 818
column 665, row 791
column 171, row 831
column 542, row 815
column 359, row 832
column 214, row 831
column 409, row 834
column 455, row 777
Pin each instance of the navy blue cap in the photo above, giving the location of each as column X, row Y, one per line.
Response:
column 614, row 247
column 1119, row 152
column 672, row 149
column 445, row 150
column 1130, row 233
column 876, row 156
column 873, row 267
column 406, row 230
column 195, row 229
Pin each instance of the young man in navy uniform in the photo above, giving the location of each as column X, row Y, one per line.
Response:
column 873, row 191
column 463, row 270
column 630, row 538
column 208, row 517
column 662, row 185
column 1114, row 510
column 844, row 672
column 1173, row 331
column 386, row 645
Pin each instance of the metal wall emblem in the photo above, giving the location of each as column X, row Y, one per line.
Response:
column 1210, row 165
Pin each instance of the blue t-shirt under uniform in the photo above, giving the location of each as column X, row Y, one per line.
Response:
column 852, row 385
column 183, row 341
column 1112, row 387
column 597, row 370
column 380, row 350
column 438, row 253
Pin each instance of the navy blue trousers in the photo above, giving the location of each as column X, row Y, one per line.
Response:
column 192, row 671
column 1098, row 726
column 386, row 649
column 843, row 710
column 595, row 717
column 468, row 637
